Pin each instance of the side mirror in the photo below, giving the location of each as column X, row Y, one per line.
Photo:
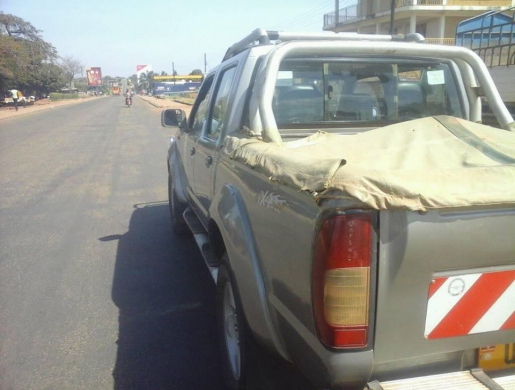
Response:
column 172, row 117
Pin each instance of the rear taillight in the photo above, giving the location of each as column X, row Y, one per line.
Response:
column 341, row 279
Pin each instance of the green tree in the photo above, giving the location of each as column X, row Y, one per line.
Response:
column 48, row 78
column 146, row 81
column 23, row 53
column 196, row 72
column 10, row 51
column 134, row 81
column 106, row 80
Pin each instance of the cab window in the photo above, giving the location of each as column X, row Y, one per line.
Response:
column 221, row 98
column 199, row 111
column 362, row 92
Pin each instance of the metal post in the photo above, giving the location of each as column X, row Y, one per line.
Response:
column 336, row 12
column 392, row 15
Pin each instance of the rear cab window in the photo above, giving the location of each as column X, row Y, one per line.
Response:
column 363, row 92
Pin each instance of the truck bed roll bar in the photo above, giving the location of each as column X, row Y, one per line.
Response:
column 264, row 37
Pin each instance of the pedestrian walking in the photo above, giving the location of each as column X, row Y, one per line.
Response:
column 15, row 94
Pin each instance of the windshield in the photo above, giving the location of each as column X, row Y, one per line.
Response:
column 363, row 91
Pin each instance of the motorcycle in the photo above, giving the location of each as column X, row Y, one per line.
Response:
column 128, row 101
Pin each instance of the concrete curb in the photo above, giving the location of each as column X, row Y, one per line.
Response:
column 151, row 102
column 165, row 104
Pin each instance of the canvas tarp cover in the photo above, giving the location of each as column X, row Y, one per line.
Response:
column 433, row 162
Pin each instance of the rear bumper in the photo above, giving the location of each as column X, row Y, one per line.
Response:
column 463, row 380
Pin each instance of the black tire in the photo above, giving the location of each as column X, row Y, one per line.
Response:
column 233, row 333
column 177, row 209
column 256, row 367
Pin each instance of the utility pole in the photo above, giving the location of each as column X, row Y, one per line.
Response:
column 392, row 15
column 336, row 12
column 205, row 62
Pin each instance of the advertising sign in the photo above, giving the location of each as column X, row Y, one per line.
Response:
column 175, row 88
column 94, row 76
column 143, row 69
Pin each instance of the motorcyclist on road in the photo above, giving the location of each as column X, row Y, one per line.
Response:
column 128, row 97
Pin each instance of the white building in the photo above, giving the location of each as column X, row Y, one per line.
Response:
column 435, row 19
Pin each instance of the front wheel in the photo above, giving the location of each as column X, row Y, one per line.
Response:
column 232, row 329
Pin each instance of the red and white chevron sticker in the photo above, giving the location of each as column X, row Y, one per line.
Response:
column 471, row 303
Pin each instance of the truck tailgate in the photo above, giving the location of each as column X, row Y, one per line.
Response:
column 441, row 254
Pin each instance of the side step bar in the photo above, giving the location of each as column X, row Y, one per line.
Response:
column 202, row 240
column 475, row 379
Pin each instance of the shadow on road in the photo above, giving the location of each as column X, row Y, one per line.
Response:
column 165, row 296
column 167, row 331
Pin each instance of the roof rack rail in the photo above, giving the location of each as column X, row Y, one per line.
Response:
column 264, row 37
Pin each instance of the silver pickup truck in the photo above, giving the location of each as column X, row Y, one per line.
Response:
column 356, row 216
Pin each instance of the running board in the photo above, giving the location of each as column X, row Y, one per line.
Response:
column 475, row 379
column 202, row 240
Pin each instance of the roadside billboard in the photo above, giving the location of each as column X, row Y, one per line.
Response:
column 170, row 88
column 94, row 76
column 143, row 69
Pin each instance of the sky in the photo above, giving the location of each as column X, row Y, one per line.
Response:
column 118, row 35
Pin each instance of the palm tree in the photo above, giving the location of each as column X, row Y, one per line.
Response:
column 146, row 81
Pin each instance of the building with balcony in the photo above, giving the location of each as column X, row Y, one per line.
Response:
column 435, row 19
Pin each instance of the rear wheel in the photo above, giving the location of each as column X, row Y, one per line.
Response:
column 245, row 363
column 177, row 209
column 232, row 329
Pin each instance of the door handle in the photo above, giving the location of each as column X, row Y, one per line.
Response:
column 209, row 160
column 192, row 151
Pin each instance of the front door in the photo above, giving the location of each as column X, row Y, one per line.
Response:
column 196, row 123
column 209, row 140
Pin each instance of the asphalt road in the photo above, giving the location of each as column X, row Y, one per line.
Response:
column 95, row 290
column 96, row 293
